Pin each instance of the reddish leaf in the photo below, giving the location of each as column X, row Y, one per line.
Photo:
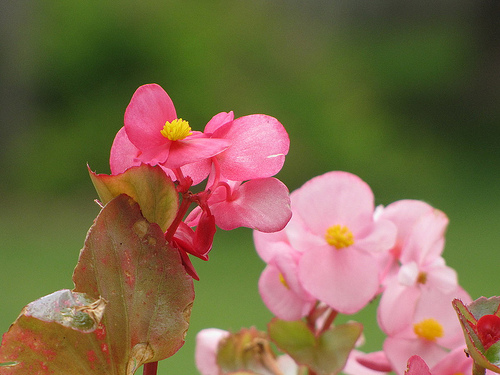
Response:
column 59, row 334
column 127, row 263
column 149, row 186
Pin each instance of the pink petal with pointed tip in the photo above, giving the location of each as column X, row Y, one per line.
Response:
column 148, row 111
column 417, row 366
column 259, row 144
column 123, row 153
column 262, row 204
column 218, row 120
column 345, row 279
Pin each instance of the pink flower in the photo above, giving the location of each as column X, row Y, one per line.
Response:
column 154, row 135
column 338, row 236
column 430, row 332
column 280, row 288
column 421, row 267
column 262, row 204
column 259, row 144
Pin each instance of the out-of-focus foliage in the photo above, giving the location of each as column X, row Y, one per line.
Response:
column 404, row 95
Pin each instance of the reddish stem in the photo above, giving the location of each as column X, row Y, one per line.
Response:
column 186, row 202
column 328, row 322
column 150, row 368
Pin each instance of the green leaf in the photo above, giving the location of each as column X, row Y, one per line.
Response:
column 325, row 354
column 149, row 186
column 127, row 266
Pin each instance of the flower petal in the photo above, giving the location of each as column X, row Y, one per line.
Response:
column 259, row 144
column 334, row 198
column 194, row 149
column 123, row 153
column 262, row 204
column 344, row 279
column 148, row 111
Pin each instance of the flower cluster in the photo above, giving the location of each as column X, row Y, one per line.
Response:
column 236, row 157
column 339, row 252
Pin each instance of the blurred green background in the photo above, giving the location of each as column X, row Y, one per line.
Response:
column 404, row 94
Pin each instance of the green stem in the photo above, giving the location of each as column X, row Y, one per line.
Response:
column 150, row 368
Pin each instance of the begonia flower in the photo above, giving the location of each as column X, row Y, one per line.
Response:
column 258, row 145
column 421, row 268
column 338, row 236
column 158, row 137
column 280, row 288
column 431, row 331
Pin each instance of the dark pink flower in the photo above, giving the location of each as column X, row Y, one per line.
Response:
column 158, row 136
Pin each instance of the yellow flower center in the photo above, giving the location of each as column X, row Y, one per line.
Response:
column 422, row 277
column 176, row 130
column 283, row 281
column 339, row 236
column 429, row 329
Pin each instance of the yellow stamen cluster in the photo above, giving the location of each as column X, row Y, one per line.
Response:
column 428, row 329
column 176, row 130
column 339, row 236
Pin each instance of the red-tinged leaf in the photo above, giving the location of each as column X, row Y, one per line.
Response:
column 147, row 185
column 468, row 317
column 127, row 261
column 126, row 265
column 325, row 354
column 56, row 334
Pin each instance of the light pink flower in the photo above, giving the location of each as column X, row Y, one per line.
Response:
column 280, row 287
column 421, row 268
column 338, row 236
column 431, row 332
